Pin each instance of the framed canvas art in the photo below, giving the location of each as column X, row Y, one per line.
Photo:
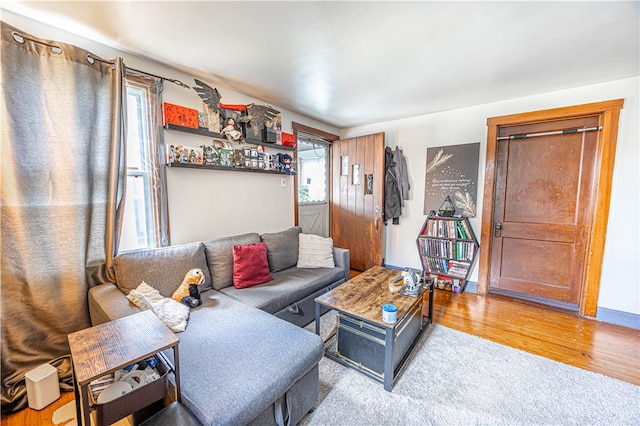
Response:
column 452, row 171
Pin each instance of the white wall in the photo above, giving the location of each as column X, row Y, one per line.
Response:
column 203, row 204
column 620, row 287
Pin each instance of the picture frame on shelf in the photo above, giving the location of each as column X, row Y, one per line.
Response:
column 225, row 158
column 203, row 120
column 211, row 155
column 238, row 158
column 179, row 115
column 185, row 154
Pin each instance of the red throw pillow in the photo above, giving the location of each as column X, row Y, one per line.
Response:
column 250, row 266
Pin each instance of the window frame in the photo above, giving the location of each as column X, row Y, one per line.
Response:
column 326, row 146
column 147, row 92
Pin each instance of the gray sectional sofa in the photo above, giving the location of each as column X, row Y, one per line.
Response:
column 244, row 358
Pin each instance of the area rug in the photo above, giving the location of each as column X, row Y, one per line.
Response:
column 454, row 378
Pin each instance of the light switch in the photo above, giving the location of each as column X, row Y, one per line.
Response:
column 283, row 182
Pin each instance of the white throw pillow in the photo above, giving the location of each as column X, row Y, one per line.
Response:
column 174, row 314
column 315, row 251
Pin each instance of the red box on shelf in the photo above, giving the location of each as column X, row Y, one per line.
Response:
column 288, row 139
column 180, row 116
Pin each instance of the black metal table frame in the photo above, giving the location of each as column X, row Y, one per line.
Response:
column 390, row 375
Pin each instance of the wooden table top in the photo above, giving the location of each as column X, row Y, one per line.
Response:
column 107, row 347
column 364, row 295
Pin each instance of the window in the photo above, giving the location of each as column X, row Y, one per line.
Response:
column 142, row 225
column 313, row 171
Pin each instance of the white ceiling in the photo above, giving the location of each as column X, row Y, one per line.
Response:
column 355, row 63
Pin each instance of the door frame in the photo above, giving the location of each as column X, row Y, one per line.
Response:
column 329, row 138
column 608, row 113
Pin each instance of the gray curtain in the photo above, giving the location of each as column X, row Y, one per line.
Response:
column 160, row 197
column 63, row 176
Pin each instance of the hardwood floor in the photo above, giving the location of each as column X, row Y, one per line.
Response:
column 553, row 333
column 604, row 348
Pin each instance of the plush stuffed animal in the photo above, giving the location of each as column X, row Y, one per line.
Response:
column 188, row 293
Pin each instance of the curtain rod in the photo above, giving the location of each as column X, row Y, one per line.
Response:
column 172, row 80
column 556, row 132
column 20, row 38
column 312, row 138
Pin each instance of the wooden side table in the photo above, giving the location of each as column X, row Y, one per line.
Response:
column 108, row 347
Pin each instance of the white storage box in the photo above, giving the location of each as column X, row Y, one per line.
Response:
column 42, row 386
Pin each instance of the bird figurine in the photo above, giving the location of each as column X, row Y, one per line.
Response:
column 259, row 116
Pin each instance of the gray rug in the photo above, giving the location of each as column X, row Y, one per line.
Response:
column 454, row 378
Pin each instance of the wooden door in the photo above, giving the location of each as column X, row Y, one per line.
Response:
column 314, row 218
column 597, row 212
column 358, row 199
column 541, row 209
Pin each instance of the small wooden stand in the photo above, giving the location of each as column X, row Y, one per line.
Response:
column 108, row 347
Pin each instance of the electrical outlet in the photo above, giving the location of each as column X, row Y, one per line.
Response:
column 283, row 182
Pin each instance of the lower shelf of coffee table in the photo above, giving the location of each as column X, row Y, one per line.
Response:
column 378, row 352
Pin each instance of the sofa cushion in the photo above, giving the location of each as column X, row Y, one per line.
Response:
column 282, row 248
column 288, row 286
column 163, row 268
column 219, row 254
column 315, row 252
column 250, row 265
column 235, row 361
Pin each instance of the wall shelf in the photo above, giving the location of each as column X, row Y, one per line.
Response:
column 205, row 132
column 227, row 169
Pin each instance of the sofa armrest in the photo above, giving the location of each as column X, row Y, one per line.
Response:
column 107, row 302
column 342, row 260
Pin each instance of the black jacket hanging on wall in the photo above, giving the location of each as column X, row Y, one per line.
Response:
column 396, row 184
column 402, row 175
column 392, row 196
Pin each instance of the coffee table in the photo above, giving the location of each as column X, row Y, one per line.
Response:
column 362, row 340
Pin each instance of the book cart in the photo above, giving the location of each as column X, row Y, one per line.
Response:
column 448, row 249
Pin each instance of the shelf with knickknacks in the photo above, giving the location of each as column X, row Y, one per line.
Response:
column 232, row 148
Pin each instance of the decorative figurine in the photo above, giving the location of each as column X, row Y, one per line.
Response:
column 231, row 132
column 411, row 285
column 447, row 209
column 286, row 162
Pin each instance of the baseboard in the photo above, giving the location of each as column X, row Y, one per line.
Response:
column 398, row 268
column 611, row 316
column 472, row 287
